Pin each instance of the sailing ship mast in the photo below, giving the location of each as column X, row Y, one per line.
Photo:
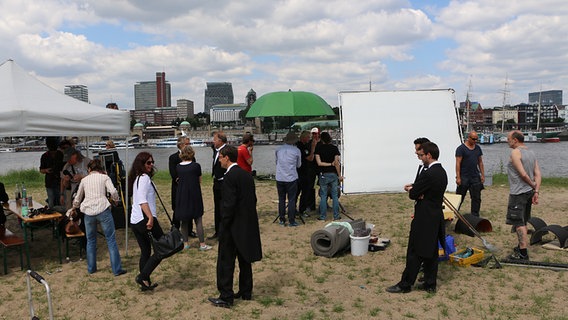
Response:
column 538, row 110
column 505, row 93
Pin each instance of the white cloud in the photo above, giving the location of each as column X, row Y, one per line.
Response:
column 314, row 45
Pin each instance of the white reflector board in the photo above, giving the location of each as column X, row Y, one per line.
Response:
column 378, row 133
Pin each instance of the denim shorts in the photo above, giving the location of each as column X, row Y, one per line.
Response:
column 519, row 208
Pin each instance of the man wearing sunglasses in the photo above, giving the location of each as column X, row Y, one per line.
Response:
column 470, row 174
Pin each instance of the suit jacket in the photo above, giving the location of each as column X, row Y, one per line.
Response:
column 217, row 171
column 239, row 221
column 427, row 227
column 3, row 198
column 172, row 163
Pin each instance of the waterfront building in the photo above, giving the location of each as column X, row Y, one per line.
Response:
column 153, row 94
column 79, row 92
column 156, row 116
column 499, row 115
column 547, row 98
column 218, row 93
column 226, row 113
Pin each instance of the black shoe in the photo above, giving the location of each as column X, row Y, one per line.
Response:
column 239, row 295
column 423, row 287
column 192, row 234
column 218, row 302
column 519, row 256
column 213, row 237
column 397, row 289
column 144, row 286
column 121, row 272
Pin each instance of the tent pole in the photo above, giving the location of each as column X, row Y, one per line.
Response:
column 126, row 222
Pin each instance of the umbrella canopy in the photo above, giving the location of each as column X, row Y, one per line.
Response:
column 289, row 104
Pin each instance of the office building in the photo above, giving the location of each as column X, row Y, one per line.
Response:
column 547, row 98
column 185, row 109
column 79, row 92
column 217, row 93
column 153, row 94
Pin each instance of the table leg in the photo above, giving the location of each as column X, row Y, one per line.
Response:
column 56, row 224
column 27, row 245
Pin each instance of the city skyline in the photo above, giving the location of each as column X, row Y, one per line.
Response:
column 318, row 46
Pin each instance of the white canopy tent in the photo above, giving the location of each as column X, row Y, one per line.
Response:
column 28, row 107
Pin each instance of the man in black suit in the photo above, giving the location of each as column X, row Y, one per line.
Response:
column 173, row 161
column 427, row 227
column 239, row 233
column 217, row 171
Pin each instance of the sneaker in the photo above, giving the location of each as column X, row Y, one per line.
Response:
column 321, row 218
column 205, row 247
column 338, row 218
column 282, row 223
column 293, row 224
column 519, row 256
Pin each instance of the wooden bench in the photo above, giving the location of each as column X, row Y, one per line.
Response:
column 82, row 241
column 9, row 239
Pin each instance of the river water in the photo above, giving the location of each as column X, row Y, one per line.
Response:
column 552, row 157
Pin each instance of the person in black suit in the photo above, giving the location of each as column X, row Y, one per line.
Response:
column 3, row 198
column 427, row 227
column 173, row 161
column 217, row 171
column 239, row 233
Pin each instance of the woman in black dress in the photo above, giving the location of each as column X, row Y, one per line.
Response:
column 189, row 201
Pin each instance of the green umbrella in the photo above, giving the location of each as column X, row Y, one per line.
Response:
column 289, row 104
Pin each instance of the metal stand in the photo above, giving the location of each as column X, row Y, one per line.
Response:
column 40, row 279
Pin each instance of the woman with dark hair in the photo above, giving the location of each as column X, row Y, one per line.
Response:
column 143, row 218
column 189, row 200
column 91, row 198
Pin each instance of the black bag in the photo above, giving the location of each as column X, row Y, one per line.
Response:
column 170, row 243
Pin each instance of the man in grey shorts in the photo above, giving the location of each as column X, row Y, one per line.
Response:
column 524, row 184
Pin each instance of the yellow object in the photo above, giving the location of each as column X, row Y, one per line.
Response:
column 466, row 262
column 455, row 201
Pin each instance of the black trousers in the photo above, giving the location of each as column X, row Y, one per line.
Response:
column 307, row 191
column 413, row 263
column 226, row 268
column 217, row 197
column 148, row 261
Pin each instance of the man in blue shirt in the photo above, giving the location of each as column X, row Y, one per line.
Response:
column 470, row 174
column 288, row 160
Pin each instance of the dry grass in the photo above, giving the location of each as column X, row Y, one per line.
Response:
column 292, row 283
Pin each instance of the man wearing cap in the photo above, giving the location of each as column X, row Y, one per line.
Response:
column 288, row 160
column 244, row 159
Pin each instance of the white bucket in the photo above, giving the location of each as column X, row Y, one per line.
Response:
column 359, row 245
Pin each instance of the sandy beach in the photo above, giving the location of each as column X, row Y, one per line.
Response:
column 292, row 283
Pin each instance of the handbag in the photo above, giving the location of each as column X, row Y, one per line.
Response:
column 73, row 222
column 170, row 243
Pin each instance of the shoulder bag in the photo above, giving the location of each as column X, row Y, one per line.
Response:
column 170, row 243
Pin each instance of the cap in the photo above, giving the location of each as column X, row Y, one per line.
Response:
column 315, row 130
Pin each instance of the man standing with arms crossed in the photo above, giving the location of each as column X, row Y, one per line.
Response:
column 524, row 184
column 470, row 173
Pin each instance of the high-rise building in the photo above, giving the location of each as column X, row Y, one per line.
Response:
column 79, row 92
column 153, row 94
column 217, row 93
column 547, row 98
column 185, row 108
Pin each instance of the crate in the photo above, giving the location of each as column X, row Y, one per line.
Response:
column 465, row 262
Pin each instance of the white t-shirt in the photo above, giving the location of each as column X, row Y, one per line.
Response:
column 143, row 192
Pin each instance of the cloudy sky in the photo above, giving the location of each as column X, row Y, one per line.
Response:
column 323, row 46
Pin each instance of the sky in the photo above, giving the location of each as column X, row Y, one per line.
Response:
column 493, row 51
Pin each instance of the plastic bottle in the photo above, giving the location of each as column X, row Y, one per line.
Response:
column 24, row 191
column 17, row 194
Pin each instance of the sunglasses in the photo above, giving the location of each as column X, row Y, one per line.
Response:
column 474, row 139
column 149, row 162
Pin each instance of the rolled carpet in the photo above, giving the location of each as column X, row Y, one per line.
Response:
column 330, row 240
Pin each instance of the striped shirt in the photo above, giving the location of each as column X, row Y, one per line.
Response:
column 93, row 191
